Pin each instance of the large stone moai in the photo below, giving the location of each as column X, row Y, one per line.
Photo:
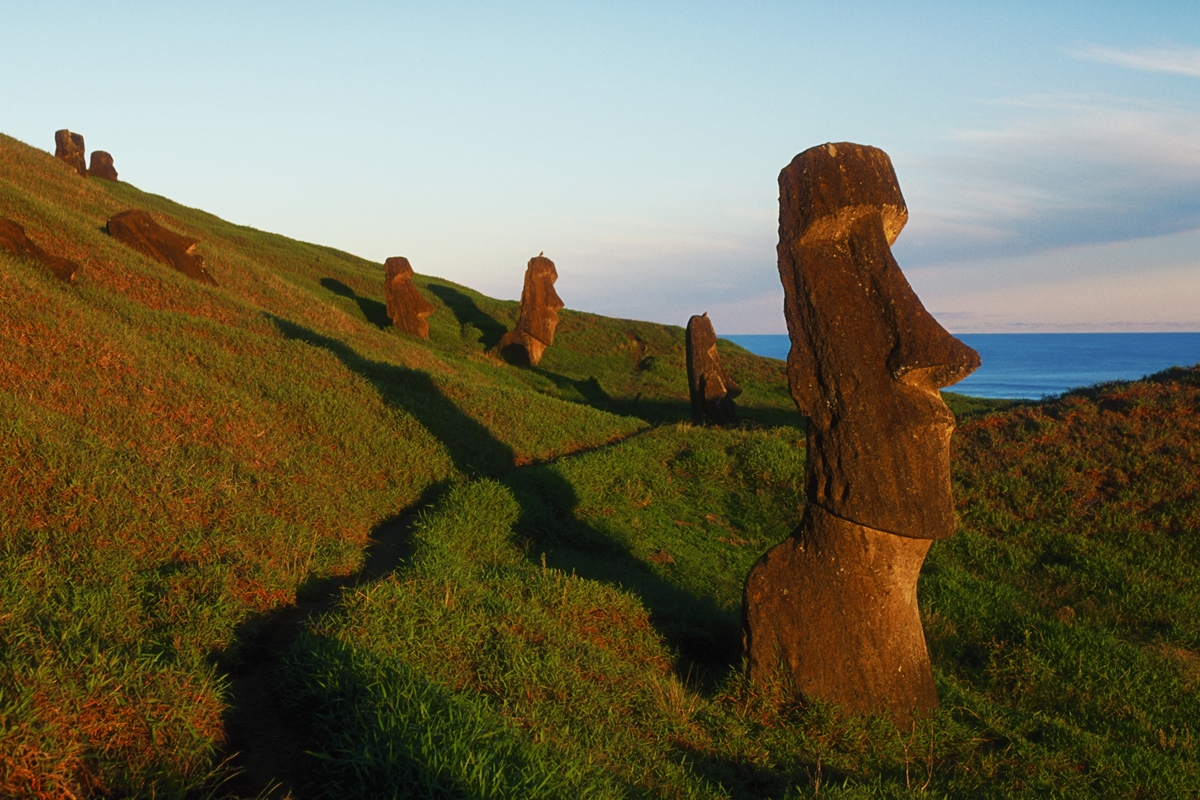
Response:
column 137, row 229
column 832, row 610
column 102, row 166
column 405, row 306
column 540, row 305
column 69, row 147
column 712, row 390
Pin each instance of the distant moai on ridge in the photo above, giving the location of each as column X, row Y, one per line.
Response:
column 712, row 390
column 406, row 308
column 540, row 305
column 102, row 166
column 137, row 229
column 832, row 610
column 69, row 147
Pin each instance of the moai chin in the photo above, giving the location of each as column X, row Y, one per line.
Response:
column 405, row 306
column 832, row 610
column 712, row 390
column 540, row 305
column 69, row 148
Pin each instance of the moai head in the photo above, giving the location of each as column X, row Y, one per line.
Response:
column 867, row 359
column 540, row 304
column 712, row 390
column 69, row 147
column 102, row 166
column 405, row 305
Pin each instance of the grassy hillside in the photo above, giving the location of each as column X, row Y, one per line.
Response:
column 254, row 538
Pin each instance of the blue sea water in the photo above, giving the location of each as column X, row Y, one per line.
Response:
column 1032, row 365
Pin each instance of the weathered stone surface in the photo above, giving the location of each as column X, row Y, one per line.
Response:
column 712, row 390
column 540, row 305
column 69, row 147
column 405, row 305
column 834, row 607
column 138, row 229
column 867, row 359
column 14, row 240
column 833, row 611
column 102, row 166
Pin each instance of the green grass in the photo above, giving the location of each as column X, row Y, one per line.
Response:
column 180, row 463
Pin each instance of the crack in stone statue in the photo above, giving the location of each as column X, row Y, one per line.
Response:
column 405, row 306
column 137, row 229
column 712, row 390
column 832, row 610
column 540, row 305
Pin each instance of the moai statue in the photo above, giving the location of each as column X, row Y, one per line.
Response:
column 405, row 306
column 69, row 147
column 711, row 388
column 137, row 229
column 539, row 314
column 102, row 166
column 832, row 610
column 13, row 240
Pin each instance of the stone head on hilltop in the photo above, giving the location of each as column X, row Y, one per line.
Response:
column 540, row 305
column 69, row 148
column 867, row 360
column 832, row 610
column 711, row 389
column 102, row 166
column 406, row 307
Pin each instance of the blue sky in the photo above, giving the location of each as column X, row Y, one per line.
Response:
column 1049, row 153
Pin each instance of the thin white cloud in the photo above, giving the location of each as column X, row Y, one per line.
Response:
column 1060, row 172
column 1176, row 60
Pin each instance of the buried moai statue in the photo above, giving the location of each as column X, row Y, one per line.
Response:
column 137, row 229
column 69, row 148
column 540, row 305
column 102, row 166
column 832, row 610
column 405, row 306
column 712, row 390
column 13, row 240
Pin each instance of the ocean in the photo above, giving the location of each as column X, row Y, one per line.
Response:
column 1030, row 366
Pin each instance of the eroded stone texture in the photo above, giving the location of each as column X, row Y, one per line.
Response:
column 835, row 604
column 405, row 305
column 69, row 147
column 540, row 305
column 138, row 229
column 14, row 240
column 712, row 390
column 102, row 166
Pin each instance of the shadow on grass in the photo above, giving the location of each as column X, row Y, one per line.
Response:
column 373, row 310
column 706, row 637
column 264, row 740
column 471, row 446
column 270, row 741
column 468, row 313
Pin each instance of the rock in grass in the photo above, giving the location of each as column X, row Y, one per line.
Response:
column 69, row 147
column 405, row 306
column 540, row 305
column 712, row 390
column 102, row 166
column 14, row 240
column 137, row 229
column 832, row 610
